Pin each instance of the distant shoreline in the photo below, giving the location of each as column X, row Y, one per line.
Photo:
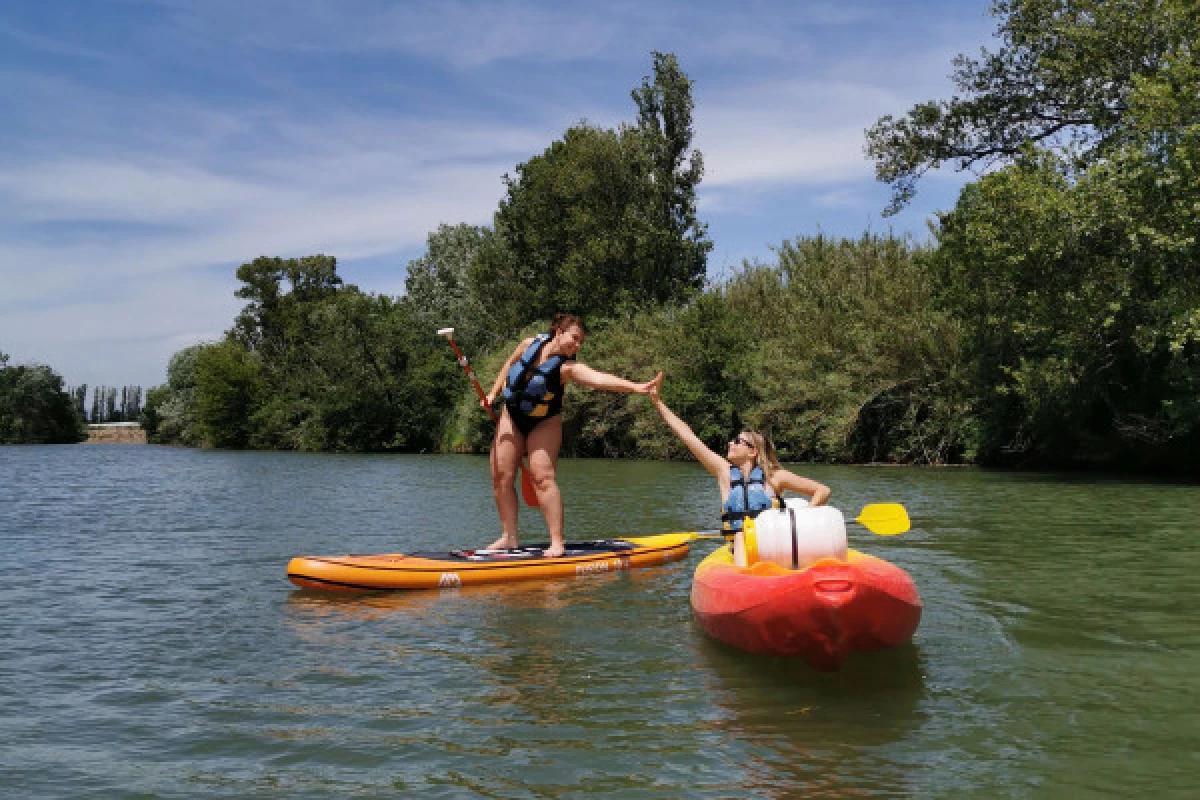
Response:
column 115, row 433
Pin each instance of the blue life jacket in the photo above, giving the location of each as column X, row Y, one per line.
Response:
column 532, row 390
column 747, row 498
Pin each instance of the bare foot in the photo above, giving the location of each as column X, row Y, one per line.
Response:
column 554, row 551
column 504, row 543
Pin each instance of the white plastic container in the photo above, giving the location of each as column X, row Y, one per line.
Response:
column 819, row 532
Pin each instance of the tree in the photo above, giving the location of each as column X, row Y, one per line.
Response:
column 269, row 321
column 35, row 408
column 1082, row 76
column 440, row 288
column 676, row 248
column 170, row 413
column 228, row 391
column 603, row 221
column 1071, row 264
column 570, row 221
column 1083, row 303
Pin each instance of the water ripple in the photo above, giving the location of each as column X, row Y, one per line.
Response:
column 154, row 647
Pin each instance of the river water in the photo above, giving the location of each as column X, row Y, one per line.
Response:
column 154, row 648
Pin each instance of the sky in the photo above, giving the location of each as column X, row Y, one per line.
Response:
column 149, row 147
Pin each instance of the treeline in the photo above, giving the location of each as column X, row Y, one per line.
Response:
column 310, row 364
column 35, row 408
column 1072, row 264
column 109, row 404
column 838, row 350
column 1052, row 320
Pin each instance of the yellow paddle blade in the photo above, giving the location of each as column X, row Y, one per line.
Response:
column 885, row 519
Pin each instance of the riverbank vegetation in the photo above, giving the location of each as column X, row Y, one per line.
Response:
column 35, row 408
column 1053, row 319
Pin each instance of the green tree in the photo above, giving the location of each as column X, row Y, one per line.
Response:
column 228, row 391
column 440, row 288
column 275, row 288
column 1071, row 264
column 170, row 413
column 375, row 378
column 1084, row 76
column 675, row 247
column 602, row 221
column 1083, row 304
column 35, row 408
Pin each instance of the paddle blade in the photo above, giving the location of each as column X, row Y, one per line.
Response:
column 885, row 519
column 528, row 492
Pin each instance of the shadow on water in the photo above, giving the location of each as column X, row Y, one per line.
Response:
column 886, row 686
column 822, row 734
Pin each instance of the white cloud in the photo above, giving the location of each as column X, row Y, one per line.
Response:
column 132, row 186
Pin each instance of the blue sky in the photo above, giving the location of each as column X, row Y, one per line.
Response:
column 149, row 147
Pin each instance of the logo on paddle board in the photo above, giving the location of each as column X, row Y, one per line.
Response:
column 597, row 567
column 449, row 580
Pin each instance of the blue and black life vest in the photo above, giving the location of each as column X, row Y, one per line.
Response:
column 747, row 498
column 535, row 390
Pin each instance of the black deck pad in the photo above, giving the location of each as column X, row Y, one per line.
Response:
column 533, row 551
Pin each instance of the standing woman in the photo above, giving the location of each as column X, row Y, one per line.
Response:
column 532, row 382
column 749, row 476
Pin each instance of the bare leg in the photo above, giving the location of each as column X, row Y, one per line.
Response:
column 507, row 449
column 543, row 444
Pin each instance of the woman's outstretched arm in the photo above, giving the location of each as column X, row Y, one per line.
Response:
column 716, row 465
column 573, row 371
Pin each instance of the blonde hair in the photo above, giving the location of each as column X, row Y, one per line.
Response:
column 765, row 458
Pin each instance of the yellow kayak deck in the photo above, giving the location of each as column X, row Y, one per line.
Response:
column 476, row 567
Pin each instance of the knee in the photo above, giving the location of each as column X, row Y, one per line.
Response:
column 543, row 479
column 503, row 478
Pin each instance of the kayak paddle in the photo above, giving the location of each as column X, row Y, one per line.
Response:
column 883, row 519
column 528, row 493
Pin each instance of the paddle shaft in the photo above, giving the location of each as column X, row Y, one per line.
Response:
column 528, row 492
column 466, row 365
column 883, row 519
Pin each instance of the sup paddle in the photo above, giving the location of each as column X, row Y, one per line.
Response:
column 528, row 493
column 883, row 519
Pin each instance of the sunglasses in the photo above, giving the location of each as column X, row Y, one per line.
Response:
column 742, row 441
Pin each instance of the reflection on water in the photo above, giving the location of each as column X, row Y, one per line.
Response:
column 808, row 730
column 156, row 647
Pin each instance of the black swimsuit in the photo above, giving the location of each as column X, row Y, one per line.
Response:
column 534, row 392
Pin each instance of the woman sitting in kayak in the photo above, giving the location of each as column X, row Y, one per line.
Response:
column 749, row 475
column 532, row 383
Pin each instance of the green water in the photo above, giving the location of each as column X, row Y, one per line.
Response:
column 154, row 647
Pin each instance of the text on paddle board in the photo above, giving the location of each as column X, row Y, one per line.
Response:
column 594, row 567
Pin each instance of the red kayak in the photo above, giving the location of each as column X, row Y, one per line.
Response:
column 822, row 613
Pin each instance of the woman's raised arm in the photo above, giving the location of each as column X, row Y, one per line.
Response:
column 573, row 371
column 716, row 465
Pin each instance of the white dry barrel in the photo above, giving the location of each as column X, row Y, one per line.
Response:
column 795, row 537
